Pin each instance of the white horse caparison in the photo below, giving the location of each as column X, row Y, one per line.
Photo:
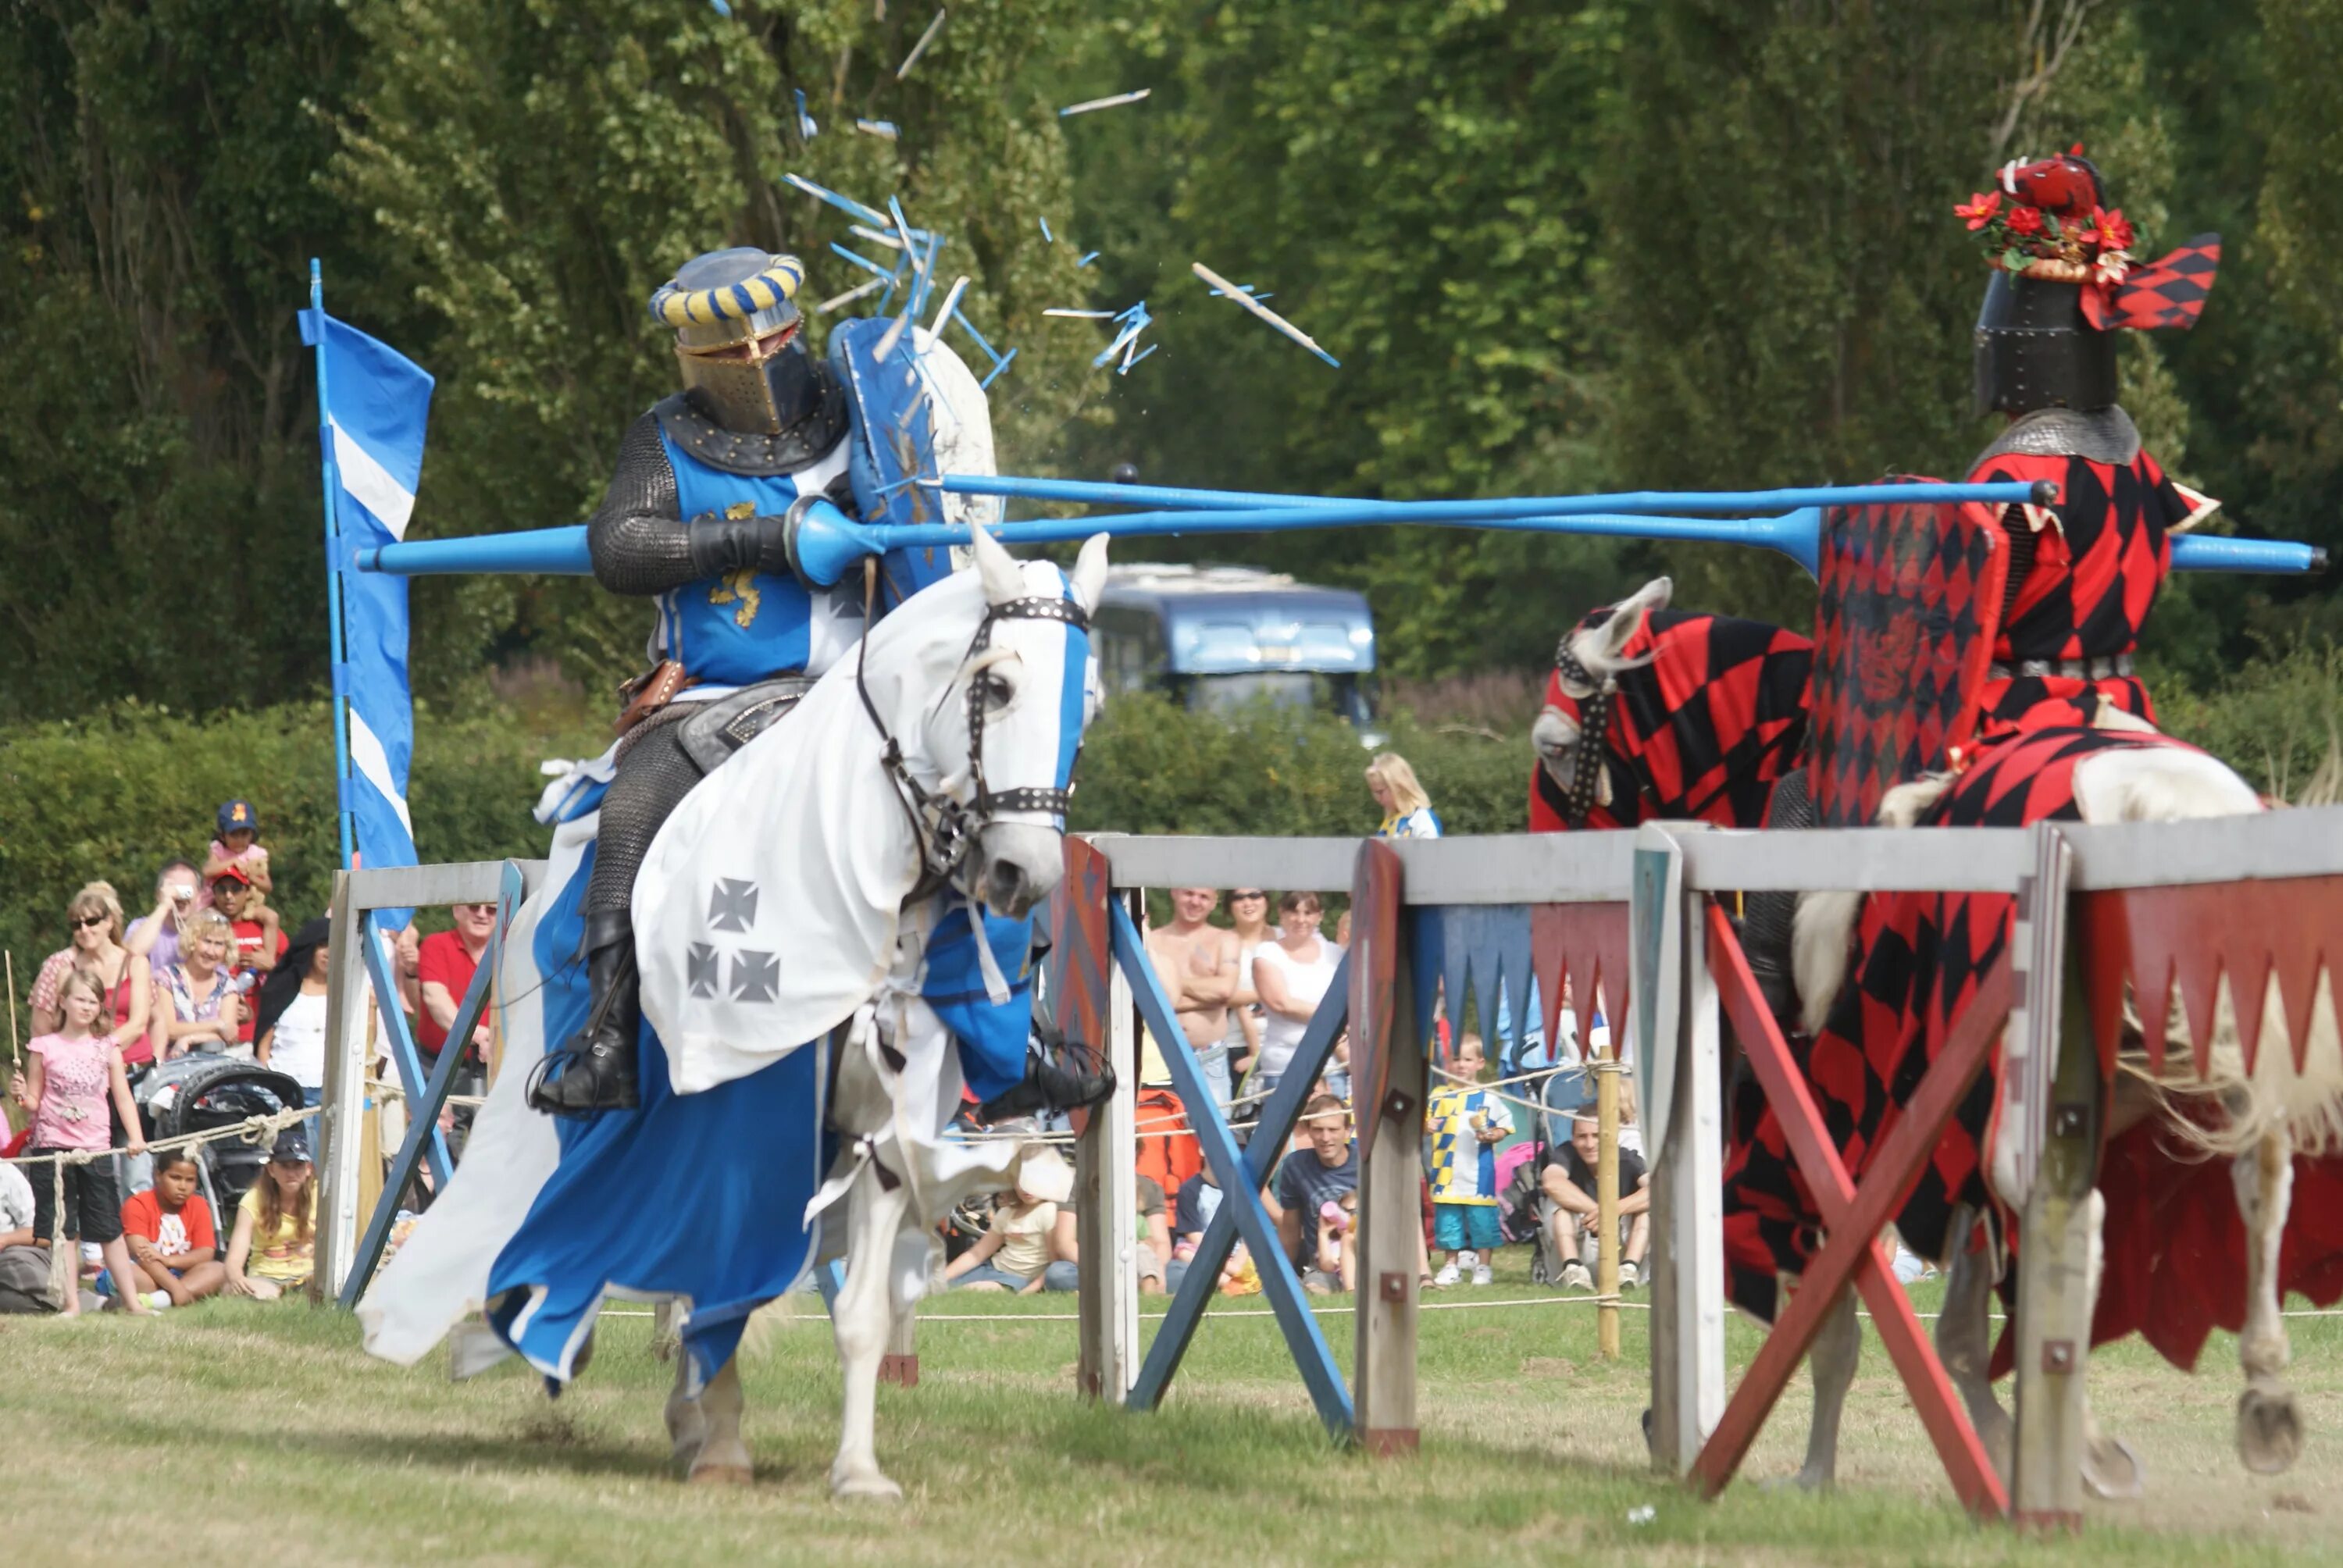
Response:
column 2266, row 1118
column 895, row 1179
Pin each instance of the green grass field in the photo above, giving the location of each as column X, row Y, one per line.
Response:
column 239, row 1431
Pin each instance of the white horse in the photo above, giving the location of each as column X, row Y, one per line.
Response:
column 2262, row 1120
column 925, row 771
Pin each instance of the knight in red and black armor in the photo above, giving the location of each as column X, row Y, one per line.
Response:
column 2083, row 576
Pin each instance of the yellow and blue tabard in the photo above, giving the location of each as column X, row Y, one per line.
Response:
column 748, row 625
column 1464, row 1168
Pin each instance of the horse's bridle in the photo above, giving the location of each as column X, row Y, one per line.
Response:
column 946, row 828
column 1593, row 732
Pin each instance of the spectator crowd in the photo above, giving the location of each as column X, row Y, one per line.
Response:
column 130, row 1010
column 209, row 974
column 1509, row 1159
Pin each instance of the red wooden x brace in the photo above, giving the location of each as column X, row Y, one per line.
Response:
column 1853, row 1219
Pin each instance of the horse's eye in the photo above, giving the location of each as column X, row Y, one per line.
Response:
column 996, row 690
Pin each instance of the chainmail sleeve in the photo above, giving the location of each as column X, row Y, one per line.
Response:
column 637, row 537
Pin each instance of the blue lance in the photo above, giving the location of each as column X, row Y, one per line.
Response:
column 826, row 542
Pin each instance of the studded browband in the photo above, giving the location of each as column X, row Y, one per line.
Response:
column 1593, row 725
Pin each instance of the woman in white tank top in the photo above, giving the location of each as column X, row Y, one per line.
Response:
column 1292, row 974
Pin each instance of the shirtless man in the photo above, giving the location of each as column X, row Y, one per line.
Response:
column 1198, row 964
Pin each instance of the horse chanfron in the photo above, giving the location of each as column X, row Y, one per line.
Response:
column 1026, row 692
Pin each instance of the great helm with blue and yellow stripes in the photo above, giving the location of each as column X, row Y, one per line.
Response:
column 736, row 337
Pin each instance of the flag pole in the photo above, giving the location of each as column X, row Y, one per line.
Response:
column 332, row 483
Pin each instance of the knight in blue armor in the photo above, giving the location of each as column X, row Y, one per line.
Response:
column 698, row 519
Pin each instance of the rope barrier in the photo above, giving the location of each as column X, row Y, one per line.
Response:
column 1342, row 1312
column 376, row 1086
column 1252, row 1311
column 251, row 1130
column 1538, row 1108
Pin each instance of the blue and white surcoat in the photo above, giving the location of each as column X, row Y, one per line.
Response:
column 749, row 625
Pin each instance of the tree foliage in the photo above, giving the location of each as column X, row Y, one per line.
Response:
column 115, row 793
column 534, row 171
column 1556, row 246
column 158, row 516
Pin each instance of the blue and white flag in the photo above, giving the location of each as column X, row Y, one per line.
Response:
column 375, row 402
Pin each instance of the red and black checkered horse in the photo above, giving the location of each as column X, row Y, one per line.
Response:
column 1696, row 716
column 1896, row 681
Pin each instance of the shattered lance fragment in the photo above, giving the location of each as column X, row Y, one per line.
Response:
column 846, row 204
column 920, row 47
column 1222, row 285
column 851, row 295
column 1084, row 108
column 950, row 304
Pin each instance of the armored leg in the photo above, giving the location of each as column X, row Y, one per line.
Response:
column 595, row 1070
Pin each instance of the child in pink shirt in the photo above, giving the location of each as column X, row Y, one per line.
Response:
column 239, row 844
column 67, row 1078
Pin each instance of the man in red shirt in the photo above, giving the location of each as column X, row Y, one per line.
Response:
column 260, row 940
column 444, row 965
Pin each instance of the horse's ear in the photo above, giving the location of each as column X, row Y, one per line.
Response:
column 1627, row 618
column 1003, row 579
column 1090, row 571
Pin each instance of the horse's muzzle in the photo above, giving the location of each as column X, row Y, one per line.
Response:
column 1019, row 865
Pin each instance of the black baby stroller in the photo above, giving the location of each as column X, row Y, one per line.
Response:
column 199, row 1092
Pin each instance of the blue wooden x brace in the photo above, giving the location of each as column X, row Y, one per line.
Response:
column 1241, row 1173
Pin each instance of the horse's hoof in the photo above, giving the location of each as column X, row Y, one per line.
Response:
column 721, row 1476
column 873, row 1485
column 1805, row 1481
column 2112, row 1472
column 2269, row 1427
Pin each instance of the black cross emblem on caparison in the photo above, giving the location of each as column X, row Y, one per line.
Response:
column 756, row 977
column 733, row 906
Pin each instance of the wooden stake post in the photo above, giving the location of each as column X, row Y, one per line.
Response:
column 1606, row 1201
column 2063, row 1128
column 1389, row 1083
column 1089, row 1003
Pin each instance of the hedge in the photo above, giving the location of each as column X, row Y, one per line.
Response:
column 114, row 795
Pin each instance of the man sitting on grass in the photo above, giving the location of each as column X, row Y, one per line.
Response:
column 23, row 1267
column 1311, row 1179
column 1568, row 1179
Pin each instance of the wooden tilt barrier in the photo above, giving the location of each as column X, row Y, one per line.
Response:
column 1634, row 923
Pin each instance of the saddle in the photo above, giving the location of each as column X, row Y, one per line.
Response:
column 725, row 724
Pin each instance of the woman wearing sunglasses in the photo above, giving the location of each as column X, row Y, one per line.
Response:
column 1249, row 913
column 94, row 917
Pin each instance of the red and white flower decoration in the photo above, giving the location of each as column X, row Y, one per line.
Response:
column 2036, row 224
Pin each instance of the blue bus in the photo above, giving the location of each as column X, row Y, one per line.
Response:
column 1217, row 637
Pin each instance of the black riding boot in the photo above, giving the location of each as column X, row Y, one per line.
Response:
column 1059, row 1076
column 595, row 1070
